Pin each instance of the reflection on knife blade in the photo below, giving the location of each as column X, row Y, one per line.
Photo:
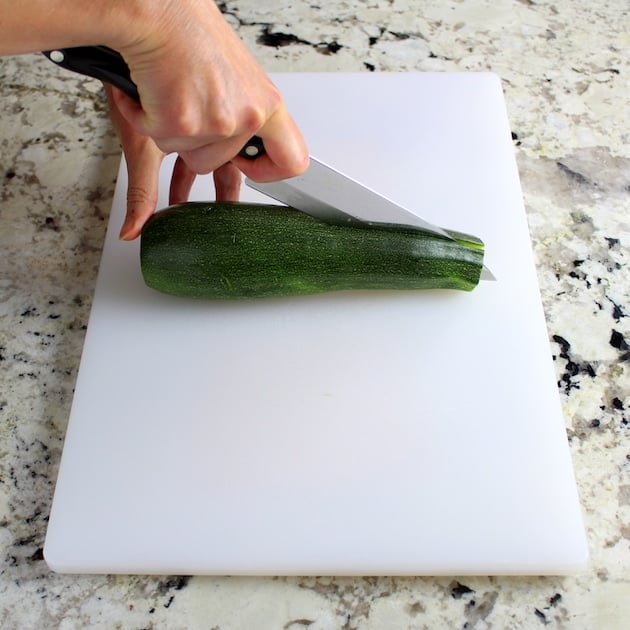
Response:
column 329, row 195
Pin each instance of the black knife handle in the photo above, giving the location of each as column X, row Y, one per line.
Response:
column 105, row 64
column 98, row 62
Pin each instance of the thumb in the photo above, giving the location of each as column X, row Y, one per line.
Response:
column 142, row 191
column 143, row 159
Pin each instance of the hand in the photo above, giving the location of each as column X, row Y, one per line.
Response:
column 144, row 159
column 203, row 95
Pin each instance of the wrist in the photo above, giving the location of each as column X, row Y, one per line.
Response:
column 63, row 24
column 129, row 23
column 148, row 26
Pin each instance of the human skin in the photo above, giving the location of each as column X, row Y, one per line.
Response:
column 202, row 93
column 144, row 159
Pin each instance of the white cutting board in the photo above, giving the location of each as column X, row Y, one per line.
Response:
column 356, row 433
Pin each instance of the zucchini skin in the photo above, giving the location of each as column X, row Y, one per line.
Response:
column 225, row 250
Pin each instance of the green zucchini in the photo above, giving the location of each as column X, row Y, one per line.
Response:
column 219, row 250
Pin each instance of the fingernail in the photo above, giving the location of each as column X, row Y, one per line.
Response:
column 126, row 231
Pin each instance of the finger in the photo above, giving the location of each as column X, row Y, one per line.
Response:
column 286, row 150
column 208, row 158
column 227, row 182
column 143, row 159
column 181, row 182
column 142, row 191
column 129, row 110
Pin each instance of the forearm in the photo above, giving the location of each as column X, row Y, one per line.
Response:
column 203, row 95
column 34, row 25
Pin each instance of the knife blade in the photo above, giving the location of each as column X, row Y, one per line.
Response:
column 327, row 194
column 108, row 65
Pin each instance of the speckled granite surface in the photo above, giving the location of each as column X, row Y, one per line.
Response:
column 565, row 68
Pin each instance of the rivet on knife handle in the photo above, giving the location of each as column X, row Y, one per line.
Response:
column 106, row 64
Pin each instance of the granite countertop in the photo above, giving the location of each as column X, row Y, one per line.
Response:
column 565, row 68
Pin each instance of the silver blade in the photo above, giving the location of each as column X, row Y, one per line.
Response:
column 329, row 195
column 486, row 274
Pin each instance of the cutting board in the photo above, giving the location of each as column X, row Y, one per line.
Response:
column 351, row 433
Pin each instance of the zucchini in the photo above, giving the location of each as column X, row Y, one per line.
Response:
column 220, row 250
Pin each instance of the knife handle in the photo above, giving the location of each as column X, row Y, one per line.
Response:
column 105, row 64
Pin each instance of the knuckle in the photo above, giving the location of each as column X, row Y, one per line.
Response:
column 223, row 125
column 300, row 163
column 198, row 161
column 258, row 114
column 253, row 119
column 137, row 197
column 273, row 96
column 184, row 123
column 183, row 130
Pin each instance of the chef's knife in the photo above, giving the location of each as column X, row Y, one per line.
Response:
column 105, row 64
column 321, row 191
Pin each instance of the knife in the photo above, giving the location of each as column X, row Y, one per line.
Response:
column 322, row 191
